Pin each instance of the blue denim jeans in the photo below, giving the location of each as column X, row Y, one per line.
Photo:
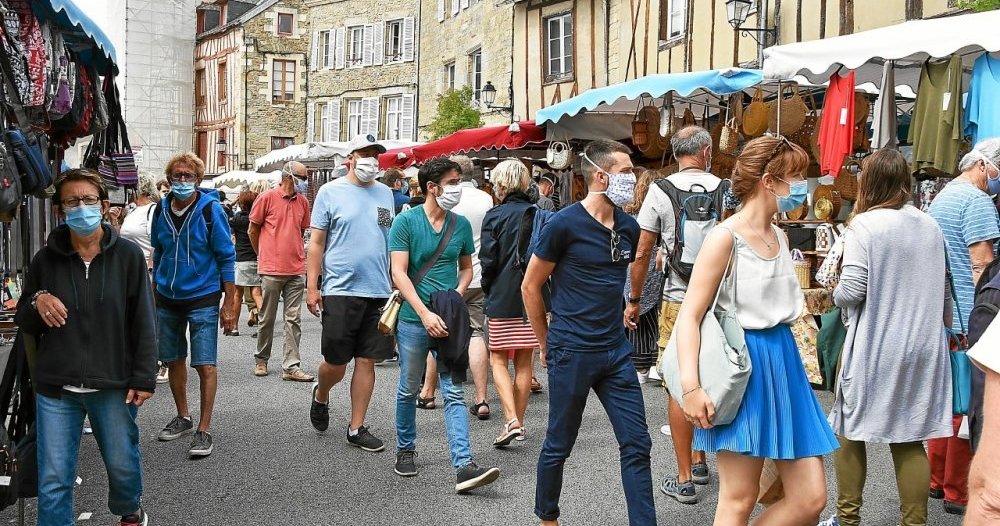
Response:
column 412, row 342
column 612, row 376
column 60, row 425
column 173, row 325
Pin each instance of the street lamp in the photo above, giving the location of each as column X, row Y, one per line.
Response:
column 737, row 12
column 220, row 149
column 489, row 94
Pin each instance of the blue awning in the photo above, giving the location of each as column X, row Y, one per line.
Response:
column 620, row 98
column 67, row 15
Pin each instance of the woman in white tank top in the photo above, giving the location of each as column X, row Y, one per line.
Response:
column 779, row 417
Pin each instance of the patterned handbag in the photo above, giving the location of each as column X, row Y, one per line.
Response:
column 117, row 163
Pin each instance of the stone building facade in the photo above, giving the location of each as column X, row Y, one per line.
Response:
column 362, row 76
column 465, row 43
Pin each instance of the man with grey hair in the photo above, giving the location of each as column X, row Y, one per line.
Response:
column 692, row 147
column 966, row 214
column 278, row 220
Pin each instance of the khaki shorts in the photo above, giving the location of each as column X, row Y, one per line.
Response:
column 474, row 299
column 668, row 317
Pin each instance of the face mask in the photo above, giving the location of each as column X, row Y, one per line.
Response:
column 182, row 190
column 796, row 197
column 83, row 219
column 992, row 185
column 301, row 186
column 621, row 187
column 450, row 197
column 366, row 169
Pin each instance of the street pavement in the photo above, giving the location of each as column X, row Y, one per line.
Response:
column 271, row 468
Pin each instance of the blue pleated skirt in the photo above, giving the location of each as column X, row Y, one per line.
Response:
column 780, row 417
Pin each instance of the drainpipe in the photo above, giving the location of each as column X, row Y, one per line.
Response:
column 418, row 42
column 762, row 23
column 607, row 43
column 510, row 86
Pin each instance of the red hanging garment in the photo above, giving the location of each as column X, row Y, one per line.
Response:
column 836, row 129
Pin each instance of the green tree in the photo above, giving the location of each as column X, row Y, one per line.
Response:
column 455, row 112
column 979, row 5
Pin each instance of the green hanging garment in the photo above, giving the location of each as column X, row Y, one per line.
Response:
column 936, row 127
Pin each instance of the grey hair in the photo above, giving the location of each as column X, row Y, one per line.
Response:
column 467, row 168
column 690, row 140
column 147, row 188
column 988, row 149
column 600, row 153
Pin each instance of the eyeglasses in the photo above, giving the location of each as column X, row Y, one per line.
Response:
column 183, row 176
column 73, row 202
column 616, row 253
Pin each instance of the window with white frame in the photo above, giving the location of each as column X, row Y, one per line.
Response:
column 449, row 76
column 673, row 19
column 354, row 118
column 324, row 123
column 393, row 117
column 355, row 46
column 476, row 73
column 394, row 41
column 559, row 47
column 325, row 49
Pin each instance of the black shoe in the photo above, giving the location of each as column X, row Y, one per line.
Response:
column 700, row 474
column 936, row 494
column 178, row 427
column 405, row 465
column 201, row 445
column 319, row 414
column 954, row 509
column 472, row 476
column 365, row 440
column 136, row 519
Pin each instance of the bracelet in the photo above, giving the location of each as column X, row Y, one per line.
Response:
column 691, row 391
column 35, row 296
column 633, row 299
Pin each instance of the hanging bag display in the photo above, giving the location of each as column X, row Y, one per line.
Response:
column 847, row 182
column 755, row 116
column 117, row 163
column 786, row 115
column 559, row 155
column 10, row 185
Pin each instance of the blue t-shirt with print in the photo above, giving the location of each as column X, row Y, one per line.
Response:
column 356, row 220
column 966, row 216
column 588, row 279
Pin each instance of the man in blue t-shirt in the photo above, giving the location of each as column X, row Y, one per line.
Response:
column 586, row 249
column 349, row 253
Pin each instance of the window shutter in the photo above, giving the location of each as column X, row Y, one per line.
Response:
column 441, row 10
column 310, row 121
column 314, row 54
column 367, row 45
column 378, row 48
column 331, row 51
column 409, row 37
column 455, row 7
column 369, row 115
column 465, row 4
column 341, row 48
column 406, row 119
column 333, row 120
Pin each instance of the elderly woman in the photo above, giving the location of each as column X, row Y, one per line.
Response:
column 895, row 341
column 88, row 302
column 510, row 334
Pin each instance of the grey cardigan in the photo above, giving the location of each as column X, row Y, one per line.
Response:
column 895, row 376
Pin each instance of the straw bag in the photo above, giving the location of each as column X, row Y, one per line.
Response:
column 390, row 313
column 826, row 203
column 559, row 156
column 640, row 128
column 847, row 182
column 729, row 139
column 862, row 108
column 755, row 116
column 655, row 144
column 805, row 136
column 802, row 268
column 792, row 111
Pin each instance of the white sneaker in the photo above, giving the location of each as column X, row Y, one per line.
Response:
column 643, row 377
column 665, row 429
column 654, row 375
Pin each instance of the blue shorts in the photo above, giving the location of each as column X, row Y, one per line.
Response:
column 204, row 325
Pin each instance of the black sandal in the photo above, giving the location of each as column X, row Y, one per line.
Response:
column 426, row 403
column 474, row 409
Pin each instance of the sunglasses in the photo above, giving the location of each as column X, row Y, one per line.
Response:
column 783, row 142
column 616, row 253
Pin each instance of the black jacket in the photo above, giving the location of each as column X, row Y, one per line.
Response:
column 453, row 350
column 501, row 281
column 109, row 340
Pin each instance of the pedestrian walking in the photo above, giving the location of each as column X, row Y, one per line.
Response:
column 585, row 249
column 887, row 352
column 349, row 254
column 546, row 189
column 431, row 254
column 659, row 219
column 984, row 482
column 646, row 333
column 193, row 269
column 278, row 221
column 779, row 417
column 510, row 334
column 87, row 301
column 968, row 218
column 247, row 278
column 395, row 179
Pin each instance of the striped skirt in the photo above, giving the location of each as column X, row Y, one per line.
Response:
column 644, row 338
column 780, row 417
column 508, row 334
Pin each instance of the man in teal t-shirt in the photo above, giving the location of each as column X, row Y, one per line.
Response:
column 413, row 240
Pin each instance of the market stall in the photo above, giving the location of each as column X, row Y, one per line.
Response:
column 508, row 137
column 316, row 155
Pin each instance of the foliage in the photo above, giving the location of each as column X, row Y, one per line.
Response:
column 979, row 5
column 455, row 112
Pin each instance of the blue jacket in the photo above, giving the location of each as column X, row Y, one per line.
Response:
column 186, row 263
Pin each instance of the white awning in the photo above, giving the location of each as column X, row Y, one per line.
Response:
column 909, row 44
column 315, row 154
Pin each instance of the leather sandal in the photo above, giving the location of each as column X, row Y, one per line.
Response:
column 426, row 403
column 475, row 410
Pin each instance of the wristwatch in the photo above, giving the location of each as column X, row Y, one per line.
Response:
column 633, row 299
column 35, row 296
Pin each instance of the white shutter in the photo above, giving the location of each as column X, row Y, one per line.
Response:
column 331, row 51
column 409, row 38
column 406, row 119
column 441, row 10
column 455, row 7
column 369, row 115
column 465, row 4
column 333, row 120
column 341, row 48
column 310, row 121
column 378, row 47
column 366, row 45
column 314, row 54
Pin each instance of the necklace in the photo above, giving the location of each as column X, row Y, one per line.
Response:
column 768, row 244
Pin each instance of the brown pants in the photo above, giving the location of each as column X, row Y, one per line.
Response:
column 913, row 475
column 291, row 290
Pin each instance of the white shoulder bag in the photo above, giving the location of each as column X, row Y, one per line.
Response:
column 723, row 361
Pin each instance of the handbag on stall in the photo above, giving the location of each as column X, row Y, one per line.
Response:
column 847, row 182
column 559, row 155
column 117, row 163
column 10, row 185
column 723, row 360
column 26, row 148
column 792, row 111
column 755, row 116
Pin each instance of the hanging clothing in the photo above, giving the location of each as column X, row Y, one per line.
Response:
column 836, row 128
column 936, row 128
column 884, row 133
column 982, row 107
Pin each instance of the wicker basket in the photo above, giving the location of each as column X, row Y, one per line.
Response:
column 755, row 116
column 802, row 272
column 793, row 112
column 847, row 182
column 655, row 145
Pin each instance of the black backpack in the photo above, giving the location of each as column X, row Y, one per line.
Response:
column 696, row 212
column 984, row 310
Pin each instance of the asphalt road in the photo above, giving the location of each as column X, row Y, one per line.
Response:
column 270, row 467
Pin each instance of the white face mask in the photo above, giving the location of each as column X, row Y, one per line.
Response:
column 366, row 169
column 621, row 186
column 301, row 186
column 450, row 197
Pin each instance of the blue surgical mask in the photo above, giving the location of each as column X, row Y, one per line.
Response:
column 797, row 192
column 182, row 190
column 992, row 185
column 84, row 219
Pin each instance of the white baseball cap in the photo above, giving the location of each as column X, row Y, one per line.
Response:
column 360, row 142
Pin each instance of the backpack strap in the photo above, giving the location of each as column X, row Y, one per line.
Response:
column 524, row 228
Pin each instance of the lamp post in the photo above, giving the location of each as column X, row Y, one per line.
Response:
column 489, row 94
column 220, row 148
column 737, row 12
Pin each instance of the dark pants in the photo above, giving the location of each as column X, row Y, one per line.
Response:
column 612, row 376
